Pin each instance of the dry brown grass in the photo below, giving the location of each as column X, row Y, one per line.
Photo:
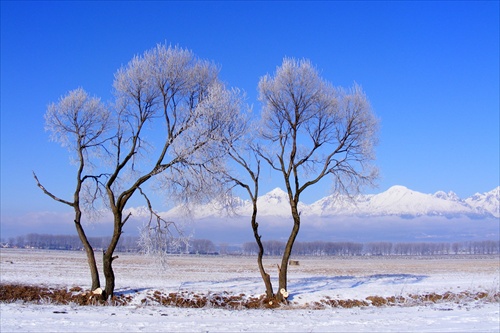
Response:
column 37, row 294
column 76, row 295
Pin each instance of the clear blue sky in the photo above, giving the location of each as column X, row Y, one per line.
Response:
column 430, row 69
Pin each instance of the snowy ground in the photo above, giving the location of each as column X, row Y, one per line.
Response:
column 312, row 280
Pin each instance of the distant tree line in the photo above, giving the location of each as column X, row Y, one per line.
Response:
column 321, row 248
column 66, row 242
column 272, row 247
column 73, row 243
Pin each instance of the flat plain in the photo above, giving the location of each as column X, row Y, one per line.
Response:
column 313, row 280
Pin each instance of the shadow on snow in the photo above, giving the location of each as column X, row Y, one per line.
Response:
column 324, row 283
column 300, row 286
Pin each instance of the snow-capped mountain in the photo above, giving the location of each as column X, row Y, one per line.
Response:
column 396, row 201
column 401, row 201
column 273, row 203
column 486, row 202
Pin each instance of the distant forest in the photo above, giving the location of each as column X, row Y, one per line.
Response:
column 272, row 247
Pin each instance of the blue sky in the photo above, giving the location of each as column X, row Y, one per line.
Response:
column 430, row 69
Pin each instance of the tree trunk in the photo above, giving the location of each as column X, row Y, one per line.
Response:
column 94, row 273
column 265, row 277
column 283, row 270
column 108, row 258
column 107, row 261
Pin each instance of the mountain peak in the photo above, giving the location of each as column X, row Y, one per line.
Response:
column 274, row 203
column 488, row 201
column 278, row 192
column 398, row 188
column 447, row 196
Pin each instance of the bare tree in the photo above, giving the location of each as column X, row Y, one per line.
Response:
column 240, row 147
column 172, row 85
column 312, row 130
column 79, row 123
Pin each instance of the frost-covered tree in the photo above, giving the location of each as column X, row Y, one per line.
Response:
column 79, row 123
column 241, row 148
column 311, row 130
column 170, row 117
column 170, row 95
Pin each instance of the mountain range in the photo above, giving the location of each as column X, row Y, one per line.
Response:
column 397, row 214
column 396, row 201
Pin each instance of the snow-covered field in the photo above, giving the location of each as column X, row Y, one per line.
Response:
column 314, row 279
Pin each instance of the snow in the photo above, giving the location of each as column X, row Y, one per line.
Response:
column 274, row 203
column 488, row 201
column 447, row 196
column 401, row 201
column 41, row 318
column 396, row 201
column 314, row 279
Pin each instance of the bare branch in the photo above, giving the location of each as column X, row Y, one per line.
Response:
column 71, row 204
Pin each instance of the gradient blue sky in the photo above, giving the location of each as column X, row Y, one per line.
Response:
column 430, row 69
